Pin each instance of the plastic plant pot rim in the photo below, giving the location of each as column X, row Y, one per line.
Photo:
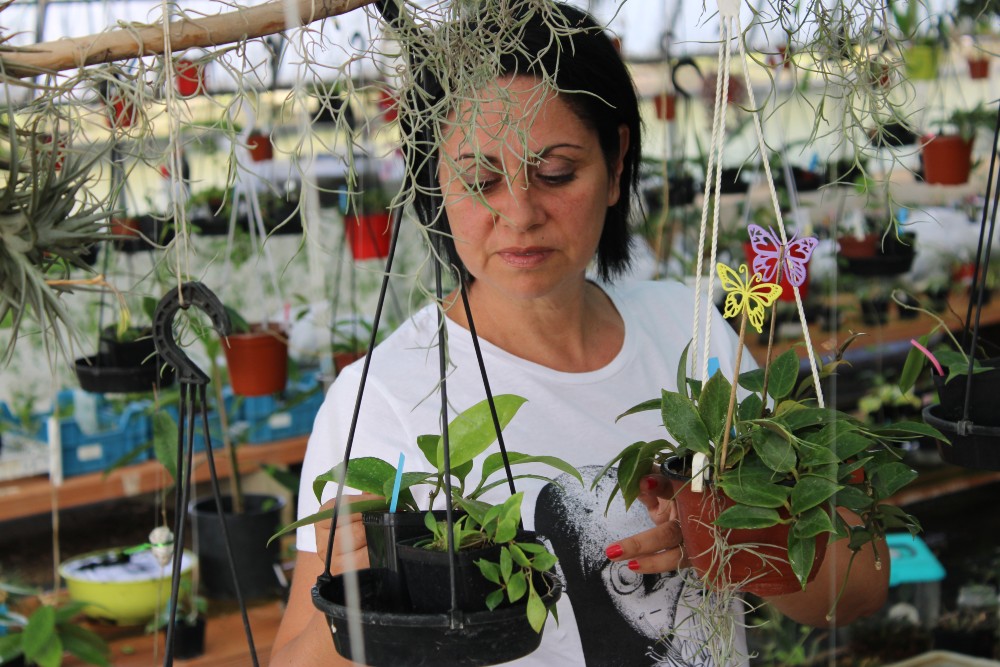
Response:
column 425, row 620
column 950, row 427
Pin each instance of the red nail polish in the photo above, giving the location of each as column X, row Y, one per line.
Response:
column 633, row 565
column 650, row 483
column 614, row 551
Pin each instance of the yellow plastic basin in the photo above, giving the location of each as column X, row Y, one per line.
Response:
column 127, row 593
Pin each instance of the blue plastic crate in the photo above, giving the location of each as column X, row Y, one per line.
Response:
column 92, row 447
column 290, row 414
column 233, row 417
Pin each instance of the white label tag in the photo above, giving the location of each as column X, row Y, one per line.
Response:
column 90, row 452
column 729, row 8
column 280, row 420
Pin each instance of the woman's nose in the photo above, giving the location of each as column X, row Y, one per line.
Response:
column 520, row 209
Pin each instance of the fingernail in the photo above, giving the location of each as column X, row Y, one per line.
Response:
column 614, row 551
column 650, row 483
column 633, row 565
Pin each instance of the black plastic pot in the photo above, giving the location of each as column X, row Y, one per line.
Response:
column 382, row 531
column 985, row 390
column 393, row 639
column 124, row 366
column 427, row 578
column 892, row 256
column 249, row 532
column 189, row 640
column 875, row 312
column 976, row 447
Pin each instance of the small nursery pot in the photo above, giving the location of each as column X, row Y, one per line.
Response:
column 759, row 557
column 977, row 447
column 369, row 235
column 382, row 532
column 947, row 160
column 189, row 640
column 258, row 361
column 427, row 640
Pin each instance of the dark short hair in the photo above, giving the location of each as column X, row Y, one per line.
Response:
column 591, row 77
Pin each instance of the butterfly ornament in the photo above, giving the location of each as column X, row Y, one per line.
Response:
column 747, row 294
column 770, row 254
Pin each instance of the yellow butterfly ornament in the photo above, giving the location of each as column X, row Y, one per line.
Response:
column 747, row 296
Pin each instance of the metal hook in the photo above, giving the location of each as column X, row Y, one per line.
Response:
column 189, row 294
column 677, row 65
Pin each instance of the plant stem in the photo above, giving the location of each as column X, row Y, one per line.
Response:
column 732, row 394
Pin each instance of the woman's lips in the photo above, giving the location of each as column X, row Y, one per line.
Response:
column 524, row 258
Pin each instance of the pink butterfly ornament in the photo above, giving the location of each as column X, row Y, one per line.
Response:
column 764, row 253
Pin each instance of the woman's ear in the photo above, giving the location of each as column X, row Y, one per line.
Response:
column 614, row 182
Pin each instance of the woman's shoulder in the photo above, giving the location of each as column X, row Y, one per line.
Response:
column 646, row 295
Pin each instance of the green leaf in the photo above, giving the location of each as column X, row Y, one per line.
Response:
column 10, row 647
column 784, row 373
column 913, row 366
column 636, row 462
column 536, row 610
column 891, row 477
column 851, row 444
column 682, row 363
column 774, row 450
column 489, row 570
column 494, row 599
column 544, row 561
column 681, row 418
column 741, row 516
column 813, row 522
column 40, row 633
column 518, row 555
column 282, row 476
column 327, row 514
column 165, row 441
column 517, row 586
column 472, row 431
column 755, row 490
column 750, row 408
column 753, row 380
column 910, row 430
column 645, row 406
column 811, row 491
column 506, row 564
column 428, row 444
column 811, row 455
column 494, row 462
column 367, row 474
column 801, row 556
column 713, row 404
column 853, row 499
column 85, row 645
column 797, row 420
column 476, row 509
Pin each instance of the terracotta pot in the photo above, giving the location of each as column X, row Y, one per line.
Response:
column 979, row 68
column 258, row 361
column 851, row 246
column 342, row 360
column 190, row 78
column 758, row 556
column 125, row 227
column 787, row 291
column 666, row 106
column 947, row 160
column 260, row 147
column 369, row 235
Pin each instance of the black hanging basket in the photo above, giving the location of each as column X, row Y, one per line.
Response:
column 398, row 639
column 124, row 366
column 972, row 446
column 383, row 531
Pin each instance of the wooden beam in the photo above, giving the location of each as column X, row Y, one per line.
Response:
column 148, row 40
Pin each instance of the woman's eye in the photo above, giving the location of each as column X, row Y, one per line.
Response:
column 556, row 178
column 480, row 187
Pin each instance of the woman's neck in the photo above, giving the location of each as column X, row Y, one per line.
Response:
column 579, row 332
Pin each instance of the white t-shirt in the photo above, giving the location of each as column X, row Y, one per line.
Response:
column 607, row 613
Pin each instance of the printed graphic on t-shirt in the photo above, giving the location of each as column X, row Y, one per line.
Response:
column 649, row 619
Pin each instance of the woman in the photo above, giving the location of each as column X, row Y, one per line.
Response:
column 532, row 191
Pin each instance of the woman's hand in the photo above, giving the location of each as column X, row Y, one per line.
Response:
column 661, row 548
column 350, row 548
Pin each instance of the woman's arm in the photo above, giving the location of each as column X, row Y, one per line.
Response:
column 304, row 637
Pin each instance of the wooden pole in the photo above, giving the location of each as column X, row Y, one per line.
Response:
column 148, row 40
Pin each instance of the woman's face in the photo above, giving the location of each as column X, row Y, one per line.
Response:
column 526, row 190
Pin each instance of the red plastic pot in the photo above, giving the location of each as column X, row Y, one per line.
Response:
column 258, row 361
column 387, row 103
column 758, row 556
column 190, row 78
column 979, row 68
column 666, row 106
column 947, row 159
column 787, row 291
column 852, row 247
column 368, row 234
column 260, row 147
column 125, row 227
column 121, row 113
